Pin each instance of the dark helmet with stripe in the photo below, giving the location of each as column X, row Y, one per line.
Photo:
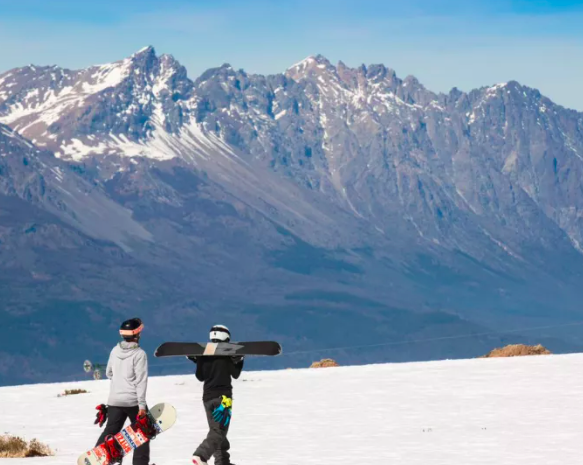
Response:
column 220, row 333
column 131, row 329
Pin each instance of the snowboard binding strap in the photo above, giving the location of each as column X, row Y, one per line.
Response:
column 147, row 425
column 113, row 449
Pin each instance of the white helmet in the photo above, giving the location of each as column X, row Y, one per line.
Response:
column 220, row 333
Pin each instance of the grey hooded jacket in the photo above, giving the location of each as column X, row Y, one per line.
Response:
column 127, row 369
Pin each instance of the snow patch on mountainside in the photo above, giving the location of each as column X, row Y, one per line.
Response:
column 6, row 132
column 502, row 246
column 106, row 76
column 510, row 162
column 301, row 66
column 48, row 105
column 191, row 143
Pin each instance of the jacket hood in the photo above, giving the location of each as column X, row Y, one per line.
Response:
column 125, row 349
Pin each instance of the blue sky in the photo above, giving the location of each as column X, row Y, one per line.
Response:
column 444, row 43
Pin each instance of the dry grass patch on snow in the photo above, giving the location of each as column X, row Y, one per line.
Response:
column 72, row 392
column 518, row 350
column 15, row 447
column 324, row 363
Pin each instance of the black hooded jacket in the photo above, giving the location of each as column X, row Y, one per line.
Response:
column 217, row 372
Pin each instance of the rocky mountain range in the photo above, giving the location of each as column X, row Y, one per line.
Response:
column 325, row 207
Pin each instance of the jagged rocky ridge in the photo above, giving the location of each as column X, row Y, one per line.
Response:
column 323, row 192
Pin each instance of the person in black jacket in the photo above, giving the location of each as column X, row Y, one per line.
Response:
column 216, row 372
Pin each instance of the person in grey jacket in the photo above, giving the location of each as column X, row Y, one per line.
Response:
column 127, row 369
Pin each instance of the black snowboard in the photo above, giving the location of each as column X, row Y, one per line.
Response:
column 173, row 349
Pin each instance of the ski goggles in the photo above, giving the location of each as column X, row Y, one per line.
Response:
column 131, row 332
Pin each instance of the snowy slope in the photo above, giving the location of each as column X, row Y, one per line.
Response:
column 498, row 411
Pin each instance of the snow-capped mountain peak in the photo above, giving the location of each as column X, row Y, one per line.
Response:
column 309, row 65
column 145, row 51
column 104, row 109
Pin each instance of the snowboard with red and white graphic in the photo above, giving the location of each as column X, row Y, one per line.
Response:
column 160, row 418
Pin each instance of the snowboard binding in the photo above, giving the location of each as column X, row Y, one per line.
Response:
column 113, row 450
column 147, row 424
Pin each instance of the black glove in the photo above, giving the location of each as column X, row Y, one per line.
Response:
column 101, row 416
column 192, row 358
column 237, row 359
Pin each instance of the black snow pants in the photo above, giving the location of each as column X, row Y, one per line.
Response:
column 116, row 417
column 216, row 443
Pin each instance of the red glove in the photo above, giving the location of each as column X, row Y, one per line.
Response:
column 101, row 416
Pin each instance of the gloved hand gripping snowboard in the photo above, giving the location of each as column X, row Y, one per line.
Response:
column 101, row 415
column 222, row 414
column 146, row 424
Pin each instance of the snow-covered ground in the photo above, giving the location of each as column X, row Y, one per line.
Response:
column 517, row 411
